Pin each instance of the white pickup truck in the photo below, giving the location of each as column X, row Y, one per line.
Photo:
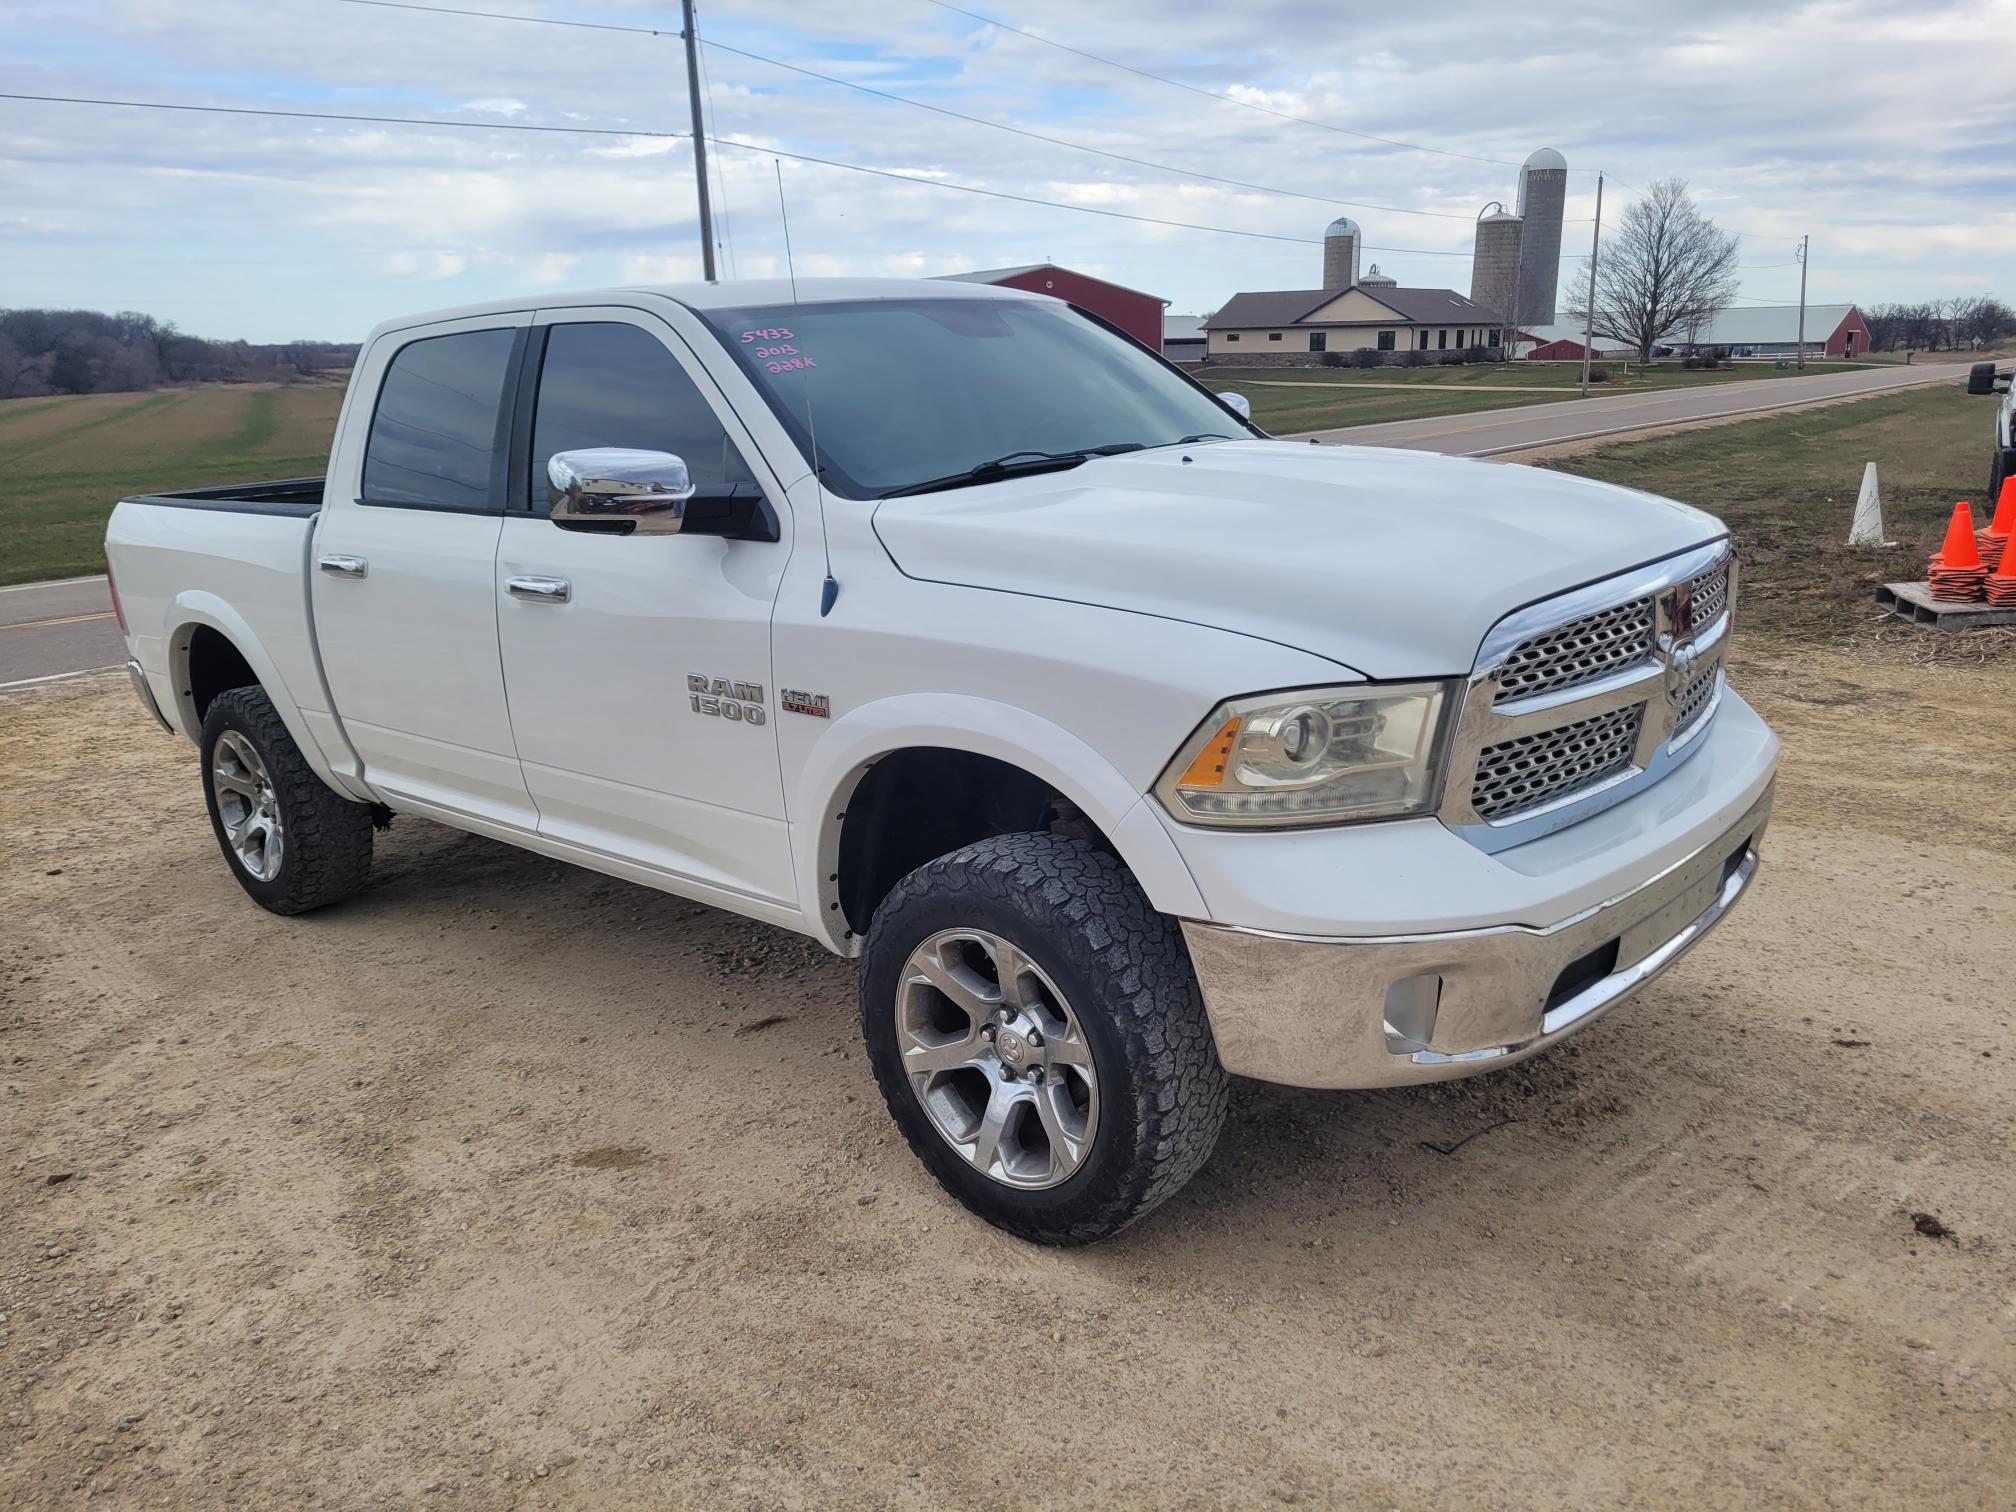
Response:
column 1125, row 747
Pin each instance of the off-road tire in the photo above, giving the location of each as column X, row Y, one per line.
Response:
column 327, row 851
column 1077, row 913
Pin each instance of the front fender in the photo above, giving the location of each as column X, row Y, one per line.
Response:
column 983, row 727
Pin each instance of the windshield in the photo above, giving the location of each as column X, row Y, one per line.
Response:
column 903, row 392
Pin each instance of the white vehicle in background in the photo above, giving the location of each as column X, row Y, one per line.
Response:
column 1983, row 379
column 1125, row 748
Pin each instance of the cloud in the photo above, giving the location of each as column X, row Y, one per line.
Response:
column 1887, row 142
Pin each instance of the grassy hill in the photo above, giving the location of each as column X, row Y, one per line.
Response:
column 65, row 462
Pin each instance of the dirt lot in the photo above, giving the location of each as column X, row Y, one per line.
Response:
column 507, row 1184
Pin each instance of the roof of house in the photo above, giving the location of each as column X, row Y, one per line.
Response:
column 1280, row 307
column 1545, row 335
column 1767, row 325
column 997, row 275
column 1182, row 327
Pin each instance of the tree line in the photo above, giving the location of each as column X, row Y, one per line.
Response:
column 89, row 352
column 1970, row 322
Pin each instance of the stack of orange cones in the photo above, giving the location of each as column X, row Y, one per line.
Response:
column 1958, row 575
column 2002, row 582
column 1993, row 539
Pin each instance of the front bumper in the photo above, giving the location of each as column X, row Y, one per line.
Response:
column 1311, row 1011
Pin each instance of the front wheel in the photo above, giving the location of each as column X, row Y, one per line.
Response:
column 1038, row 1035
column 292, row 842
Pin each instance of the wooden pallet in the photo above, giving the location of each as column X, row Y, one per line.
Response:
column 1914, row 602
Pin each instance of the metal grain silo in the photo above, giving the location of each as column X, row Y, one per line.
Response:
column 1494, row 266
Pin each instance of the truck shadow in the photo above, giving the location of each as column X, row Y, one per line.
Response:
column 1293, row 1167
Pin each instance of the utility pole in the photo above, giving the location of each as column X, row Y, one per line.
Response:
column 699, row 144
column 1802, row 301
column 1589, row 313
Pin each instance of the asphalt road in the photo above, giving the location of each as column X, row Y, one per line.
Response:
column 1605, row 414
column 57, row 629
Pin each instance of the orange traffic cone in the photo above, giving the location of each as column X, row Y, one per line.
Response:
column 1957, row 572
column 2001, row 587
column 1994, row 537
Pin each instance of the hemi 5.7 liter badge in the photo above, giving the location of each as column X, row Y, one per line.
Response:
column 724, row 699
column 798, row 701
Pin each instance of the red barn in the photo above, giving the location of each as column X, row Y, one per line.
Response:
column 1138, row 314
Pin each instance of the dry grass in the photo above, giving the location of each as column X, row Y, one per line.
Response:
column 1787, row 485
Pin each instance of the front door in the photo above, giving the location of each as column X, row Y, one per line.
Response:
column 639, row 686
column 402, row 573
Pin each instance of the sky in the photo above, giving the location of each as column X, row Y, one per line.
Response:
column 1885, row 130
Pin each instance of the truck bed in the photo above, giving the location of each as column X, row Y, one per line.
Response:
column 299, row 497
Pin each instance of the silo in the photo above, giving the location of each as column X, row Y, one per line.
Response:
column 1494, row 266
column 1377, row 280
column 1543, row 189
column 1340, row 253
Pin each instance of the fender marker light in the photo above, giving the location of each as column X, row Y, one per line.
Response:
column 1208, row 770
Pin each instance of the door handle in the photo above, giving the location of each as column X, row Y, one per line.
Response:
column 540, row 590
column 345, row 566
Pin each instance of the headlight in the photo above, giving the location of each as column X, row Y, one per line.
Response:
column 1322, row 756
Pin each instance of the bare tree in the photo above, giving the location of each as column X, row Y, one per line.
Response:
column 1666, row 268
column 1988, row 322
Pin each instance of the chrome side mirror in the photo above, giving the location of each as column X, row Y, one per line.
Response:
column 1237, row 403
column 614, row 484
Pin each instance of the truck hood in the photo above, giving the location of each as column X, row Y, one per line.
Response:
column 1391, row 562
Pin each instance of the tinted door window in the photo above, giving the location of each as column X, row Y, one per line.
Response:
column 434, row 441
column 609, row 384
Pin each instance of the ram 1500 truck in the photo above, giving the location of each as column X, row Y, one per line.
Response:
column 1126, row 748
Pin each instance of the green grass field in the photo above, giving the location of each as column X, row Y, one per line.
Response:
column 1540, row 375
column 1288, row 400
column 65, row 462
column 1786, row 484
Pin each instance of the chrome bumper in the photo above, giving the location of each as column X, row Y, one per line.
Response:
column 1320, row 1012
column 138, row 677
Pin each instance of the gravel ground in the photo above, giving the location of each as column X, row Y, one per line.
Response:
column 507, row 1184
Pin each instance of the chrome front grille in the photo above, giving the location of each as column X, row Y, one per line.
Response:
column 1710, row 596
column 1580, row 651
column 1695, row 698
column 1597, row 690
column 1517, row 775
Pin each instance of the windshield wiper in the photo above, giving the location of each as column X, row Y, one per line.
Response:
column 1012, row 465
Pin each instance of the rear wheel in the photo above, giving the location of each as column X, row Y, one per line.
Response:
column 1039, row 1038
column 290, row 840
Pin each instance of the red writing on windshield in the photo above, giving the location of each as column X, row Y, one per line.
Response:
column 767, row 333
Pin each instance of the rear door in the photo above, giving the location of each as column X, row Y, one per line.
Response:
column 639, row 677
column 403, row 568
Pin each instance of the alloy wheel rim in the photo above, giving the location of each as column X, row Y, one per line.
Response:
column 997, row 1059
column 247, row 806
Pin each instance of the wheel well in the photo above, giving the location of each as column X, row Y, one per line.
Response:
column 914, row 806
column 211, row 666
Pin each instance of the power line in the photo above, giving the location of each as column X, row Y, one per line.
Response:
column 756, row 147
column 1037, row 136
column 1213, row 94
column 943, row 110
column 450, row 10
column 332, row 115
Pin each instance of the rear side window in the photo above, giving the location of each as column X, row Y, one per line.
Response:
column 435, row 440
column 604, row 383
